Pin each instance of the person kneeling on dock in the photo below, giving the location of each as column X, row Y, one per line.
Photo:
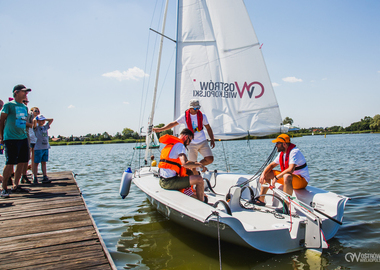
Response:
column 174, row 163
column 294, row 172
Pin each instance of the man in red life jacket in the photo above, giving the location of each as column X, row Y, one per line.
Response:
column 294, row 172
column 173, row 164
column 196, row 121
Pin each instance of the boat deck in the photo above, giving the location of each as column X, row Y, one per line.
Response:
column 50, row 228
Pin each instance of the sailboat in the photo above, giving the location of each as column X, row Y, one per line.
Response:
column 153, row 143
column 219, row 62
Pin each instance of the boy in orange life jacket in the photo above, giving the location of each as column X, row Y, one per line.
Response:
column 294, row 172
column 196, row 121
column 173, row 164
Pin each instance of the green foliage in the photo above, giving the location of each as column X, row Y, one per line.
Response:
column 74, row 143
column 159, row 125
column 335, row 129
column 169, row 131
column 127, row 133
column 360, row 126
column 375, row 123
column 287, row 120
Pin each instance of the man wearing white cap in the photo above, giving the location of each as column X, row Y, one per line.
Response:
column 196, row 121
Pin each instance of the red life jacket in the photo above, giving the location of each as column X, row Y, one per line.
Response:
column 170, row 163
column 199, row 118
column 285, row 165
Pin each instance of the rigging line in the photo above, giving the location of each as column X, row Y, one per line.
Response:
column 219, row 246
column 225, row 158
column 163, row 83
column 248, row 142
column 261, row 169
column 145, row 68
column 143, row 106
column 162, row 35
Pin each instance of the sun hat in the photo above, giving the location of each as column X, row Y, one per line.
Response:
column 282, row 138
column 40, row 117
column 194, row 103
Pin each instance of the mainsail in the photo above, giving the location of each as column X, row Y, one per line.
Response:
column 219, row 62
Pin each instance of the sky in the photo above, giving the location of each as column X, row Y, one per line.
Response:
column 91, row 64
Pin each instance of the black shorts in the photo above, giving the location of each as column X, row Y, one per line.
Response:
column 175, row 182
column 16, row 151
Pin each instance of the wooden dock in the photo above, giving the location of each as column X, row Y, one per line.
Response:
column 50, row 228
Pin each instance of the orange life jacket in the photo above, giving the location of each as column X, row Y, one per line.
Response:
column 169, row 163
column 170, row 141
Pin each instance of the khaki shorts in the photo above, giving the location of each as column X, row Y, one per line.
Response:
column 298, row 181
column 203, row 148
column 175, row 182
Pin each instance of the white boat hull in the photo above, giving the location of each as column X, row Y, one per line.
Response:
column 271, row 232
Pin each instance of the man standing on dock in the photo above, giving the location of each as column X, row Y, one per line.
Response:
column 14, row 137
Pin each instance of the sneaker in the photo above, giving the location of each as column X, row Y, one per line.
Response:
column 45, row 180
column 4, row 194
column 19, row 189
column 35, row 181
column 24, row 179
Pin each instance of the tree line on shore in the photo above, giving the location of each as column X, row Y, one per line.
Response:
column 126, row 136
column 367, row 124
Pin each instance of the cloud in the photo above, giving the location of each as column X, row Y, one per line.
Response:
column 71, row 107
column 134, row 73
column 378, row 71
column 275, row 84
column 324, row 79
column 126, row 102
column 291, row 79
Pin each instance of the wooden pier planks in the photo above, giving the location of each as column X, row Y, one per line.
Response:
column 50, row 228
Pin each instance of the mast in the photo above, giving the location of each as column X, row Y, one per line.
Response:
column 150, row 121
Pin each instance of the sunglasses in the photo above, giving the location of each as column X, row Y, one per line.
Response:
column 25, row 102
column 195, row 109
column 36, row 111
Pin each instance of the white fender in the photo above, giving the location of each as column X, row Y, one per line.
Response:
column 125, row 183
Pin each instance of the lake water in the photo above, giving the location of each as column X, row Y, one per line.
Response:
column 138, row 237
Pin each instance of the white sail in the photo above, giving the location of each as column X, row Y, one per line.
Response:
column 219, row 62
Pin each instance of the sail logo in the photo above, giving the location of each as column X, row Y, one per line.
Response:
column 250, row 89
column 229, row 90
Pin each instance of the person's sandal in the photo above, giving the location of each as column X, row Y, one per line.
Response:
column 257, row 202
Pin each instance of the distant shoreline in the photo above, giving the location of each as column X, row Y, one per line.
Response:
column 291, row 134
